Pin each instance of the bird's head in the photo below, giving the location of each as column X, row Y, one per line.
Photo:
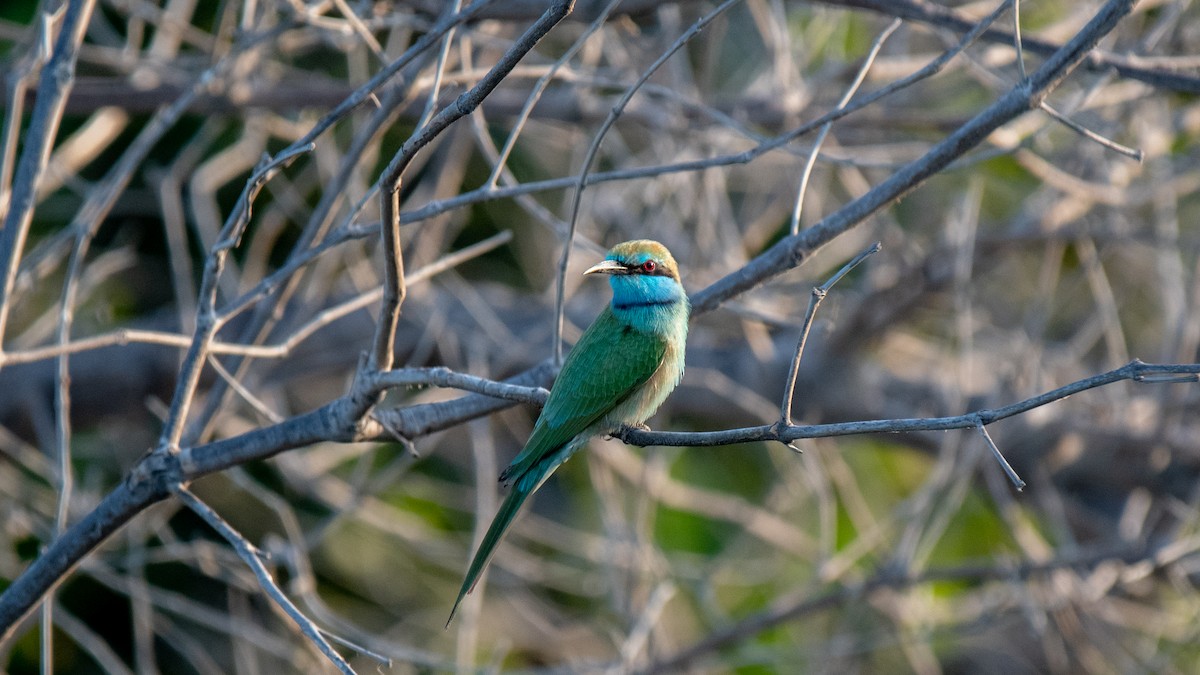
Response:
column 640, row 271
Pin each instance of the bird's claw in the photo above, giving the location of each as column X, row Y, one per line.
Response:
column 621, row 433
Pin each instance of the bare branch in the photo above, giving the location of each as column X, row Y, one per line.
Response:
column 1135, row 371
column 1028, row 95
column 53, row 86
column 394, row 289
column 820, row 139
column 249, row 555
column 1126, row 65
column 1008, row 470
column 818, row 294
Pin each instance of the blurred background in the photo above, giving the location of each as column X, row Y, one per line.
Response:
column 1039, row 258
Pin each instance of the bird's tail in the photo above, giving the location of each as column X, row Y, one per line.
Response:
column 508, row 511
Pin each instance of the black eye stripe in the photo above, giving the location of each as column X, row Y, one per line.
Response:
column 660, row 270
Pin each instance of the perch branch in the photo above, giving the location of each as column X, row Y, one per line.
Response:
column 1135, row 370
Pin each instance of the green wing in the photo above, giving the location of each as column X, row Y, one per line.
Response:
column 610, row 362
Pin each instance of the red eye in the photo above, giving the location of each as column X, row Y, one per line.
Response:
column 649, row 266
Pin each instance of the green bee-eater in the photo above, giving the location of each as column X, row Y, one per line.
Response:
column 619, row 372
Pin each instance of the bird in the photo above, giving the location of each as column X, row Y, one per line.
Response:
column 620, row 371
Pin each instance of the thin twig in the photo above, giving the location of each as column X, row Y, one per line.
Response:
column 818, row 294
column 811, row 160
column 539, row 88
column 361, row 30
column 435, row 89
column 240, row 389
column 1132, row 153
column 1017, row 48
column 249, row 554
column 207, row 322
column 639, row 635
column 1008, row 470
column 367, row 91
column 444, row 377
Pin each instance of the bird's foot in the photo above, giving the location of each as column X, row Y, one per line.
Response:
column 621, row 433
